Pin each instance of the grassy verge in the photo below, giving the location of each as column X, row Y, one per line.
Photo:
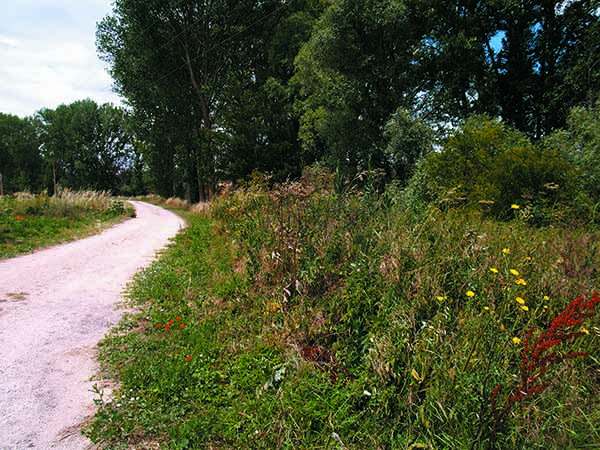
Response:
column 30, row 222
column 305, row 319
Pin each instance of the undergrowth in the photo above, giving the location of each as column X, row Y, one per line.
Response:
column 302, row 318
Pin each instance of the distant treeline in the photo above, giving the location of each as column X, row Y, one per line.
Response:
column 80, row 146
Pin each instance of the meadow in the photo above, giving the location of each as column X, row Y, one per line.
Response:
column 32, row 221
column 298, row 316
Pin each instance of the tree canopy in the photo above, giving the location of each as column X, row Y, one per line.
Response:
column 275, row 85
column 80, row 146
column 216, row 89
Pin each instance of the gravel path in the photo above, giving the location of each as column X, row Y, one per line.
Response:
column 55, row 305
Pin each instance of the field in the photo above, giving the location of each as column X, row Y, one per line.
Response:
column 29, row 222
column 303, row 318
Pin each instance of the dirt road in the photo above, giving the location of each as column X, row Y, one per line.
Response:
column 55, row 305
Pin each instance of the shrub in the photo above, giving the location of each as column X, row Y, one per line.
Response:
column 487, row 163
column 408, row 141
column 29, row 221
column 314, row 317
column 175, row 202
column 422, row 314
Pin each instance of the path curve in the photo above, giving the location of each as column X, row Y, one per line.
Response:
column 55, row 305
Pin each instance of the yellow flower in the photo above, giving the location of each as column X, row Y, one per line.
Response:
column 440, row 298
column 515, row 206
column 416, row 375
column 521, row 282
column 546, row 307
column 514, row 272
column 525, row 308
column 520, row 300
column 470, row 294
column 493, row 270
column 584, row 330
column 516, row 340
column 273, row 306
column 486, row 308
column 546, row 298
column 506, row 251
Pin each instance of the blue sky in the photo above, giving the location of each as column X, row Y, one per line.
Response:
column 48, row 55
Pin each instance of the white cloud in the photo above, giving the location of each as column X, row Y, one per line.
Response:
column 48, row 55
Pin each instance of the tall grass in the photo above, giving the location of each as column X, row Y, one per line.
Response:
column 320, row 320
column 29, row 221
column 65, row 203
column 175, row 203
column 430, row 311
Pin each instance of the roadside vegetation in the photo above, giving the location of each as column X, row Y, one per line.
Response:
column 29, row 222
column 432, row 315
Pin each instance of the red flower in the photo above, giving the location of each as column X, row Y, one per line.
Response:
column 537, row 357
column 19, row 218
column 188, row 358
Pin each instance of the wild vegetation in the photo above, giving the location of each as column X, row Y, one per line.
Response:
column 409, row 257
column 214, row 91
column 29, row 222
column 301, row 317
column 220, row 89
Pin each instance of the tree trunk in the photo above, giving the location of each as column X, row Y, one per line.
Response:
column 207, row 158
column 54, row 186
column 1, row 186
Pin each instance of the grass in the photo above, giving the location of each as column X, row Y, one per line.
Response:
column 29, row 222
column 300, row 318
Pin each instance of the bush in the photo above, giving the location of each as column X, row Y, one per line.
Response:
column 408, row 141
column 368, row 295
column 486, row 163
column 29, row 221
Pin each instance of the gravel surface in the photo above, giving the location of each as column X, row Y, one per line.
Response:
column 55, row 305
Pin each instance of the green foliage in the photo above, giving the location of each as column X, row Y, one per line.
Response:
column 21, row 165
column 315, row 320
column 87, row 146
column 352, row 75
column 29, row 222
column 79, row 146
column 408, row 141
column 486, row 162
column 580, row 141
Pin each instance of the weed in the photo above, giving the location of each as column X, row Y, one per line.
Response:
column 314, row 318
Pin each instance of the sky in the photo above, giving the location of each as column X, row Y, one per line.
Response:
column 48, row 54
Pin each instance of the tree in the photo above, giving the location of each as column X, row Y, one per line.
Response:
column 20, row 159
column 408, row 141
column 580, row 142
column 180, row 59
column 86, row 145
column 355, row 71
column 259, row 119
column 221, row 88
